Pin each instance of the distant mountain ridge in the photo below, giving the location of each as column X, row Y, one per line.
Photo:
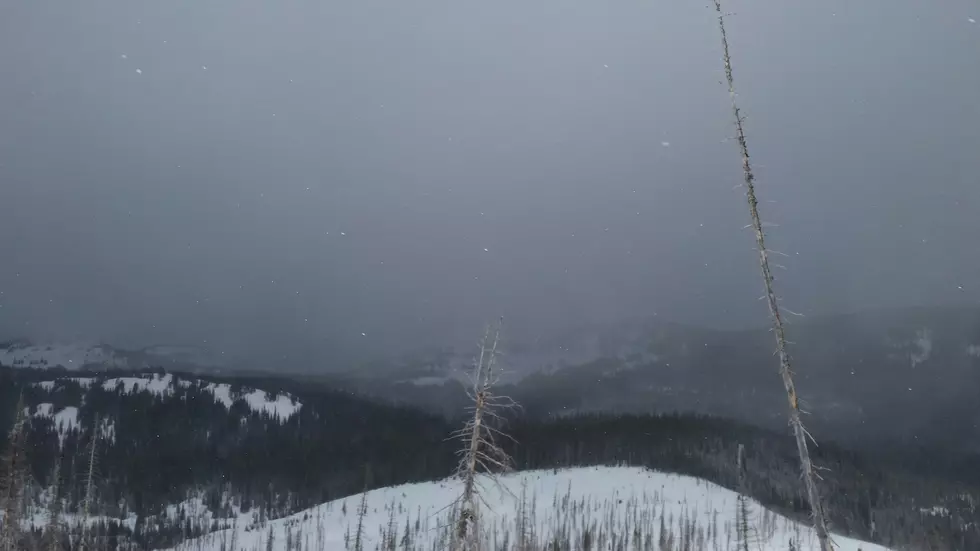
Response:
column 273, row 446
column 81, row 355
column 908, row 375
column 905, row 374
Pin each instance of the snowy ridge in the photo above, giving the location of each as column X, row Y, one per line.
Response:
column 281, row 406
column 599, row 500
column 78, row 355
column 69, row 356
column 159, row 385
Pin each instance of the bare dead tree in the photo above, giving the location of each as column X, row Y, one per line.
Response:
column 13, row 478
column 480, row 451
column 785, row 368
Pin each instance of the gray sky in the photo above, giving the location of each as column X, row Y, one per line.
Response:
column 275, row 178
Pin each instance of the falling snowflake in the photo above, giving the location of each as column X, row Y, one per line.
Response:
column 486, row 250
column 363, row 334
column 139, row 71
column 971, row 20
column 604, row 65
column 123, row 56
column 205, row 67
column 665, row 144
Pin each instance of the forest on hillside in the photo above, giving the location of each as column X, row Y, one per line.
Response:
column 165, row 449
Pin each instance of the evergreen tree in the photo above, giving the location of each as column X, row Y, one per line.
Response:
column 13, row 479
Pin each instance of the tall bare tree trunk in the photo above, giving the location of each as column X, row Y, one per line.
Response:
column 785, row 369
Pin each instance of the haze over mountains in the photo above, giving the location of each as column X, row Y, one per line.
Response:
column 281, row 180
column 246, row 249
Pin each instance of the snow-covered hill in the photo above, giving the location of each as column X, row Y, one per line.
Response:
column 279, row 406
column 605, row 502
column 79, row 355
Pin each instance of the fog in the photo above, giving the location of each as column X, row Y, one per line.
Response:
column 326, row 181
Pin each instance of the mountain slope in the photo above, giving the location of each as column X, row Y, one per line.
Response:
column 904, row 375
column 170, row 438
column 600, row 505
column 80, row 355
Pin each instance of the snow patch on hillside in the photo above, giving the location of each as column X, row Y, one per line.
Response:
column 161, row 385
column 281, row 407
column 64, row 420
column 428, row 380
column 69, row 356
column 107, row 430
column 78, row 355
column 923, row 341
column 610, row 498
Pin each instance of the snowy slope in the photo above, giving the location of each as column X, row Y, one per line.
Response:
column 69, row 356
column 65, row 420
column 281, row 406
column 78, row 355
column 604, row 499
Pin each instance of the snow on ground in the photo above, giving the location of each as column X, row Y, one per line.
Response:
column 281, row 407
column 65, row 420
column 428, row 381
column 69, row 356
column 77, row 355
column 161, row 385
column 613, row 499
column 107, row 430
column 50, row 386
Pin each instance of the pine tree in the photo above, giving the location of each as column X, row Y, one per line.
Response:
column 406, row 541
column 391, row 533
column 54, row 532
column 89, row 535
column 13, row 478
column 741, row 505
column 233, row 545
column 361, row 513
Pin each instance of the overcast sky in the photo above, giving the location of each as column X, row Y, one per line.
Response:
column 322, row 179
